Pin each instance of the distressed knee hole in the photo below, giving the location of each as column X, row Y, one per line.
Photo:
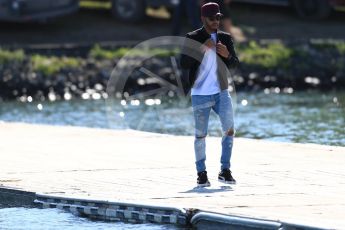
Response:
column 230, row 132
column 202, row 137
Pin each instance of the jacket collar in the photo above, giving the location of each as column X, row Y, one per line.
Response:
column 204, row 32
column 207, row 35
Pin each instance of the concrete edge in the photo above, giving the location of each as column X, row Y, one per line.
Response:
column 141, row 213
column 110, row 202
column 297, row 226
column 209, row 220
column 12, row 197
column 115, row 211
column 204, row 220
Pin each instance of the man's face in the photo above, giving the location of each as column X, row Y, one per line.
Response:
column 211, row 23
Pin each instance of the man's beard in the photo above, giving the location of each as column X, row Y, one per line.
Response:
column 213, row 27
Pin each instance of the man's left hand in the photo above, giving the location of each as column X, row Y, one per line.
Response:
column 222, row 50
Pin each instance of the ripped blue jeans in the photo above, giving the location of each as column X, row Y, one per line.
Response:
column 221, row 104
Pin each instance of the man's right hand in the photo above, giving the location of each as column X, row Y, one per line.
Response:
column 209, row 44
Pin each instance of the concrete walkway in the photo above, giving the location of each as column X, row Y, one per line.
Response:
column 302, row 183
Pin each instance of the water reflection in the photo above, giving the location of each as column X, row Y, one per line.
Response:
column 54, row 219
column 312, row 117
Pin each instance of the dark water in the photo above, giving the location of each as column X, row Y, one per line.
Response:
column 54, row 219
column 303, row 117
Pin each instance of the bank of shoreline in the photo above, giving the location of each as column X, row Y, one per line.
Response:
column 39, row 70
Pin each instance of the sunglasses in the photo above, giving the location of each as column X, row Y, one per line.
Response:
column 214, row 18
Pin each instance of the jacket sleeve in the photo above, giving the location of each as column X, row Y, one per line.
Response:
column 232, row 61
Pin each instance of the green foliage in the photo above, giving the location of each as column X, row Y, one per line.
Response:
column 98, row 52
column 10, row 56
column 339, row 46
column 51, row 65
column 95, row 4
column 273, row 55
column 268, row 56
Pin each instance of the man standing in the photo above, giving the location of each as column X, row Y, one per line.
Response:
column 209, row 89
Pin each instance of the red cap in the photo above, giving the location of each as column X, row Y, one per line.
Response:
column 210, row 9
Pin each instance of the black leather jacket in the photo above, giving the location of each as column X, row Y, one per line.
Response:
column 192, row 56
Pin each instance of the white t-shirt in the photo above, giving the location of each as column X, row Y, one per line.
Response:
column 207, row 81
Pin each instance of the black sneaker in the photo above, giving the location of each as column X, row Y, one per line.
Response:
column 226, row 177
column 203, row 180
